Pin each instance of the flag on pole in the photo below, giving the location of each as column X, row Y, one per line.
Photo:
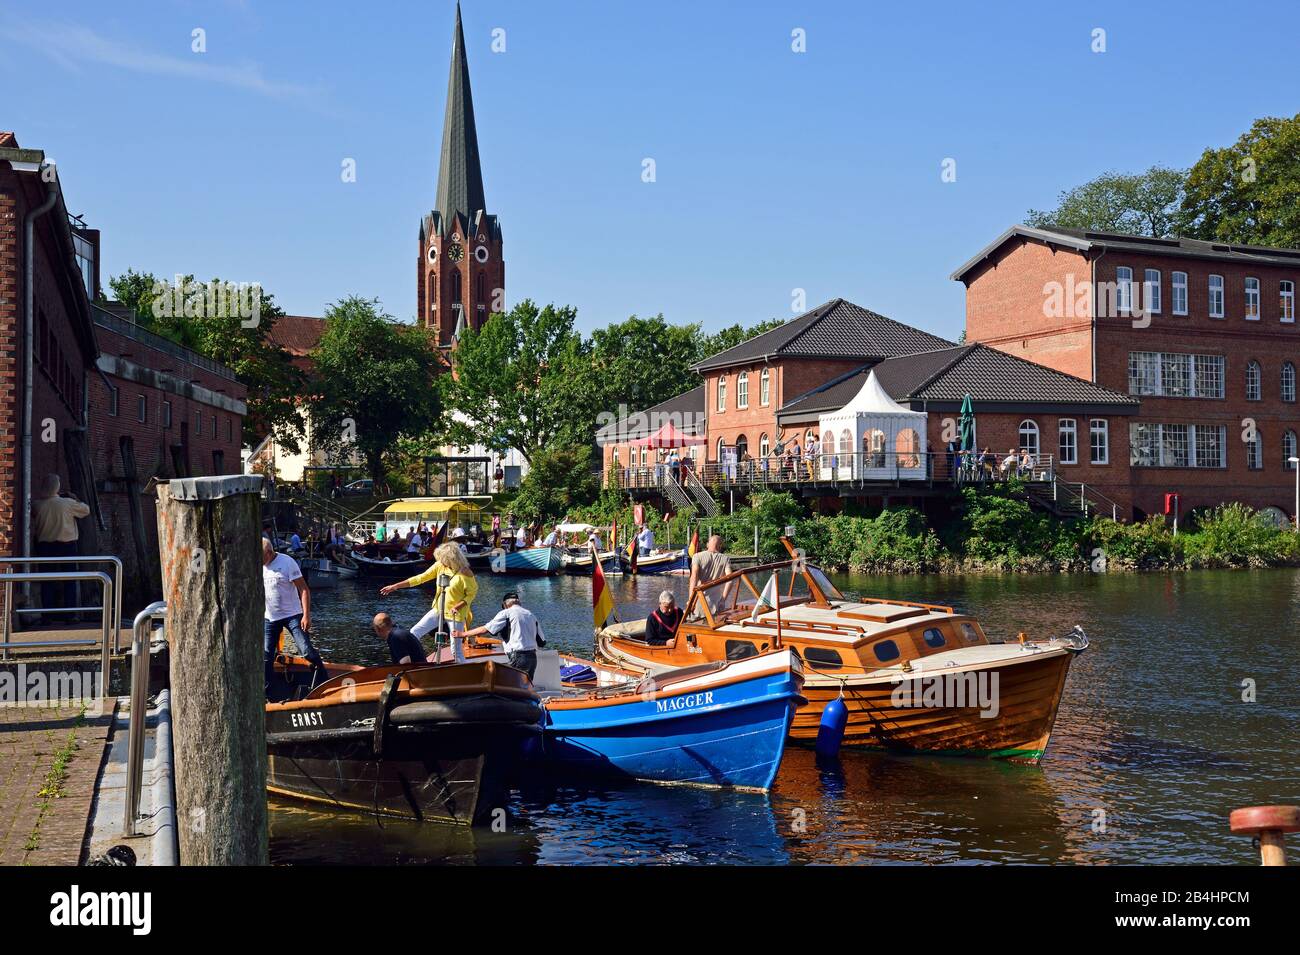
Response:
column 602, row 601
column 768, row 598
column 436, row 541
column 694, row 547
column 632, row 551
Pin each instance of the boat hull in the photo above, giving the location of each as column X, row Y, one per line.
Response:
column 529, row 562
column 717, row 734
column 389, row 569
column 675, row 562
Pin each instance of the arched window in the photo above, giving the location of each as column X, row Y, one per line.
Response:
column 763, row 446
column 809, row 435
column 433, row 293
column 846, row 442
column 742, row 447
column 722, row 393
column 828, row 441
column 764, row 388
column 1288, row 381
column 480, row 295
column 907, row 444
column 1254, row 386
column 721, row 445
column 742, row 390
column 1288, row 449
column 1255, row 451
column 455, row 288
column 1029, row 436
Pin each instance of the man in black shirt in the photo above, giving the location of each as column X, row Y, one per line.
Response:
column 661, row 626
column 404, row 646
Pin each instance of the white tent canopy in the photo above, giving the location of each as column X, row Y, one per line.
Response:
column 872, row 437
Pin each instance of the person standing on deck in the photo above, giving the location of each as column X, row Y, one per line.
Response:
column 525, row 633
column 707, row 566
column 448, row 561
column 551, row 539
column 645, row 541
column 288, row 606
column 54, row 525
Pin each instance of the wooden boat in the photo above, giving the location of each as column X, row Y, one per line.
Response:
column 321, row 572
column 668, row 562
column 721, row 724
column 527, row 562
column 398, row 567
column 577, row 560
column 914, row 677
column 421, row 741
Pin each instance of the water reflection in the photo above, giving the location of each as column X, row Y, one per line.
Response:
column 1154, row 744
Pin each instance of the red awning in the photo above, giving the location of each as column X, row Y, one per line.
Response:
column 669, row 436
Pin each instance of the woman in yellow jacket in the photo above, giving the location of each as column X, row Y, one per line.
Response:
column 448, row 560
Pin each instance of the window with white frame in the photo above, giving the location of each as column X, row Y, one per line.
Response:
column 1288, row 381
column 1029, row 436
column 1288, row 449
column 1216, row 296
column 722, row 393
column 763, row 446
column 1254, row 382
column 1151, row 291
column 721, row 445
column 742, row 390
column 1123, row 289
column 764, row 388
column 1252, row 300
column 1175, row 375
column 1177, row 445
column 1067, row 430
column 1180, row 293
column 1099, row 441
column 1254, row 451
column 1286, row 294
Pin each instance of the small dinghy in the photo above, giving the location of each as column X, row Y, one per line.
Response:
column 421, row 741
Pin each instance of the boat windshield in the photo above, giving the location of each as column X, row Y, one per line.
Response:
column 787, row 582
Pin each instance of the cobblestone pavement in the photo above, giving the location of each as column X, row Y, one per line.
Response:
column 40, row 824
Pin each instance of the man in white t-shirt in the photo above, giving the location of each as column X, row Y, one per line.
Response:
column 288, row 606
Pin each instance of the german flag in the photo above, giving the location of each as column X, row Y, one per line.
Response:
column 694, row 547
column 632, row 551
column 438, row 537
column 602, row 601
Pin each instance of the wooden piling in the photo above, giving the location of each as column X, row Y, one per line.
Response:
column 209, row 540
column 1268, row 824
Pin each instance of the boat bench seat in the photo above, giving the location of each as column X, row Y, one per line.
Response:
column 659, row 681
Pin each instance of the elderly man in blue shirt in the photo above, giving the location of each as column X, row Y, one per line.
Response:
column 519, row 632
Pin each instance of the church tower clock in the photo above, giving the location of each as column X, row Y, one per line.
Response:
column 461, row 271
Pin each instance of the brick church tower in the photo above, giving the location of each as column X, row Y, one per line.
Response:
column 461, row 272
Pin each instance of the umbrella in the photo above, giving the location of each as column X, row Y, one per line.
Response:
column 669, row 436
column 966, row 425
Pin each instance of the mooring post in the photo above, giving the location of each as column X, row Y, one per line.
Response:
column 1268, row 824
column 209, row 538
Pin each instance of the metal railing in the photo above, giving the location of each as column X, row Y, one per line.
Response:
column 140, row 632
column 116, row 594
column 106, row 648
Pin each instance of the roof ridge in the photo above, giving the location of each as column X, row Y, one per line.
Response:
column 962, row 351
column 1049, row 368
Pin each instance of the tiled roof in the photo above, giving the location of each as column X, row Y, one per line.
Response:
column 297, row 334
column 8, row 140
column 685, row 411
column 1086, row 241
column 992, row 378
column 837, row 329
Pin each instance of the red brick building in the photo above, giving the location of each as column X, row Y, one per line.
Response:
column 460, row 270
column 1204, row 334
column 45, row 326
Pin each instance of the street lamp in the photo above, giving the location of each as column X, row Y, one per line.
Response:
column 1295, row 466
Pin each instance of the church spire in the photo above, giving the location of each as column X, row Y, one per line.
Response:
column 460, row 178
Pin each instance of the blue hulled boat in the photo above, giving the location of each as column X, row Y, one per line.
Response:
column 525, row 562
column 717, row 724
column 670, row 562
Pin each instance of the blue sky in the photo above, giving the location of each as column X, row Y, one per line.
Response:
column 775, row 170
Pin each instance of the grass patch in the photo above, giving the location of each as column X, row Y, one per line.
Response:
column 54, row 781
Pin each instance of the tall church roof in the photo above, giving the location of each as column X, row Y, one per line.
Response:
column 460, row 177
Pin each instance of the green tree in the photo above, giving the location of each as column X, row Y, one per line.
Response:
column 559, row 481
column 375, row 382
column 523, row 380
column 1146, row 203
column 732, row 335
column 643, row 361
column 1248, row 192
column 275, row 385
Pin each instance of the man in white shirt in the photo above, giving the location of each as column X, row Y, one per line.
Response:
column 525, row 633
column 594, row 540
column 645, row 541
column 288, row 606
column 552, row 538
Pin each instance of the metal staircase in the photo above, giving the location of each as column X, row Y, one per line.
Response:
column 703, row 499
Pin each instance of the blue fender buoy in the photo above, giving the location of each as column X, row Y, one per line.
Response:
column 830, row 734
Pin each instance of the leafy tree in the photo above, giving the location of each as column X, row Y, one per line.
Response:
column 558, row 482
column 1146, row 203
column 275, row 385
column 376, row 382
column 733, row 335
column 523, row 380
column 1248, row 192
column 643, row 361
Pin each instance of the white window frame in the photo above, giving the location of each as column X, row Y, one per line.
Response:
column 1255, row 451
column 1252, row 298
column 1288, row 382
column 763, row 446
column 1179, row 285
column 1030, row 427
column 1067, row 428
column 742, row 390
column 1099, row 450
column 1215, row 301
column 1151, row 291
column 1254, row 381
column 764, row 388
column 1289, row 448
column 1286, row 301
column 722, row 392
column 1123, row 289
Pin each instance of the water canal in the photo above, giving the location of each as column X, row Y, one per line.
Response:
column 1154, row 745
